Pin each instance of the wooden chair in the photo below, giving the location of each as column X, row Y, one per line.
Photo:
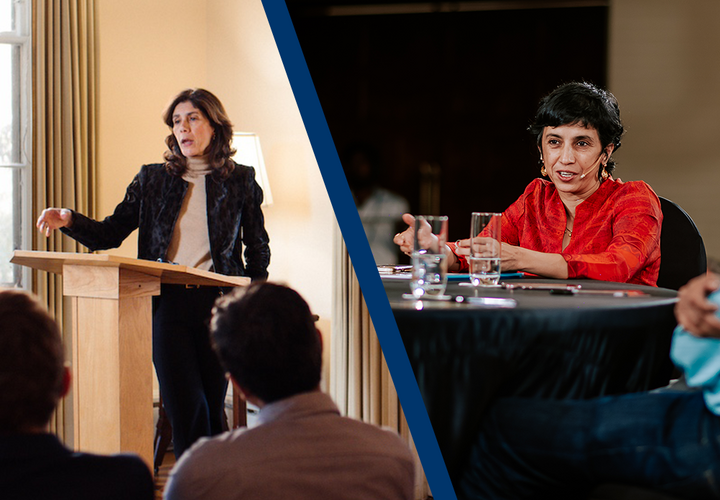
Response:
column 163, row 437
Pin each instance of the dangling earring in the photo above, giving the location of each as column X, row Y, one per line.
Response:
column 604, row 174
column 543, row 172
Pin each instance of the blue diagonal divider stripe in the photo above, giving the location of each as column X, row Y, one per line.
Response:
column 352, row 230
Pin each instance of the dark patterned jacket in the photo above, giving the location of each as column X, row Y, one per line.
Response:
column 152, row 204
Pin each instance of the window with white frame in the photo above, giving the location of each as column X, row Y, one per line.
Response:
column 15, row 137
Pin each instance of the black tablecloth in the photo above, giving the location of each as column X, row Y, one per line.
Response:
column 549, row 346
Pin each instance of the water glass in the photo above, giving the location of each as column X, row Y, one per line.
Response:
column 429, row 273
column 485, row 245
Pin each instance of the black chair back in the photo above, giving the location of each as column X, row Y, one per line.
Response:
column 682, row 251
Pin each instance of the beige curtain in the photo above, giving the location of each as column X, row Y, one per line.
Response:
column 360, row 381
column 64, row 133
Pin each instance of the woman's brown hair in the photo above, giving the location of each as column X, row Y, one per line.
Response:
column 219, row 151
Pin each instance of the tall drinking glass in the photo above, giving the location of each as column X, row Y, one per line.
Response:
column 485, row 245
column 429, row 273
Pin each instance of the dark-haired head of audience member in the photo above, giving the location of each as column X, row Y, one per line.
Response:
column 33, row 376
column 266, row 339
column 585, row 104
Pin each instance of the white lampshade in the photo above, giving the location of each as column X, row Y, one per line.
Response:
column 249, row 153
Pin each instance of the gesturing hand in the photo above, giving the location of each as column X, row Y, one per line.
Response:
column 406, row 238
column 426, row 239
column 694, row 312
column 53, row 218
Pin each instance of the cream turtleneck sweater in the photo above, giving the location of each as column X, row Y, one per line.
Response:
column 190, row 243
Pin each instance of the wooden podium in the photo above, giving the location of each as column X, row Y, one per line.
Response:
column 111, row 302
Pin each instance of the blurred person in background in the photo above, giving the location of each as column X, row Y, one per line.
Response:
column 380, row 209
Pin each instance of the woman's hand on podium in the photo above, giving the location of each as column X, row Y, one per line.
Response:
column 53, row 218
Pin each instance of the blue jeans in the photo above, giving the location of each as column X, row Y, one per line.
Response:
column 533, row 448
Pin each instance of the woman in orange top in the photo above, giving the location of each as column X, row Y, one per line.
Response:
column 581, row 223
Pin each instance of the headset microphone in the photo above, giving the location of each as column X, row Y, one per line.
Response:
column 592, row 166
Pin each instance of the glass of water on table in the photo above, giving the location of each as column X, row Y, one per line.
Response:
column 485, row 246
column 429, row 260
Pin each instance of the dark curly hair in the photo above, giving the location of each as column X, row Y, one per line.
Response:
column 586, row 104
column 220, row 151
column 265, row 337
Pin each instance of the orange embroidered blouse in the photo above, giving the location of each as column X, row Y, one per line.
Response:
column 616, row 232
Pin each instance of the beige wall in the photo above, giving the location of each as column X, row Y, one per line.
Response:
column 665, row 71
column 148, row 52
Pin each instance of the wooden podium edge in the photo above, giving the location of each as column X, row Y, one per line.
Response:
column 168, row 273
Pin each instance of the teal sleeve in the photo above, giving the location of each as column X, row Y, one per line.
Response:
column 699, row 359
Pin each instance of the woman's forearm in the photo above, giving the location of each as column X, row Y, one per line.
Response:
column 551, row 265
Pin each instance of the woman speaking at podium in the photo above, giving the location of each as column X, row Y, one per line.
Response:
column 197, row 209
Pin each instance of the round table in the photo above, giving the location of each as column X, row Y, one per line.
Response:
column 540, row 339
